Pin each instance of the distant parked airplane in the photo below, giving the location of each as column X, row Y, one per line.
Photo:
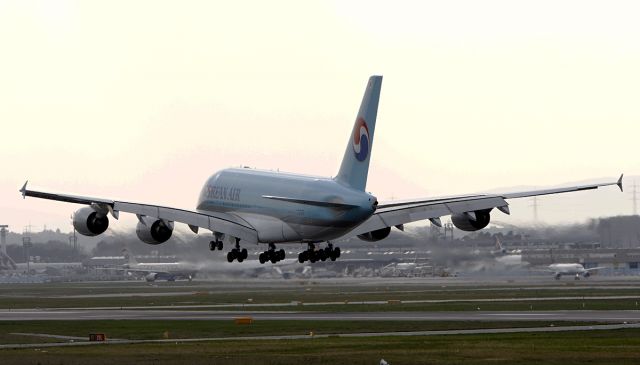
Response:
column 268, row 207
column 152, row 271
column 501, row 251
column 576, row 270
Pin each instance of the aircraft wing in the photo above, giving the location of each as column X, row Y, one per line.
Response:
column 595, row 268
column 216, row 222
column 401, row 212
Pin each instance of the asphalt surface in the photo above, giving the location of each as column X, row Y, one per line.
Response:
column 154, row 314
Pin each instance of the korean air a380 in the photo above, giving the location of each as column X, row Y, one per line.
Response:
column 247, row 207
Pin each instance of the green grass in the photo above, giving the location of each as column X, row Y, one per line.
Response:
column 566, row 348
column 204, row 293
column 155, row 329
column 7, row 338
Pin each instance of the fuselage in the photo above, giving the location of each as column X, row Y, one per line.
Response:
column 567, row 269
column 286, row 207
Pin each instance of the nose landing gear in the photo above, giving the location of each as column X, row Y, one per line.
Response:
column 237, row 253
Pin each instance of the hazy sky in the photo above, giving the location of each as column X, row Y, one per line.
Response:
column 143, row 100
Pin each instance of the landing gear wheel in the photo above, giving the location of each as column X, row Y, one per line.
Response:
column 263, row 258
column 212, row 245
column 281, row 255
column 302, row 257
column 220, row 245
column 336, row 252
column 322, row 255
column 242, row 254
column 231, row 256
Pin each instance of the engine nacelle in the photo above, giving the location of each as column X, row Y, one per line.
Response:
column 464, row 223
column 153, row 231
column 376, row 235
column 90, row 223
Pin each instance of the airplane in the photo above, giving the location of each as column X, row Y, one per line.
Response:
column 6, row 262
column 576, row 270
column 508, row 258
column 249, row 206
column 152, row 271
column 501, row 251
column 405, row 269
column 53, row 268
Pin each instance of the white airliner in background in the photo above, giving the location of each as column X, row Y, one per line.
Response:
column 152, row 271
column 575, row 270
column 251, row 206
column 501, row 251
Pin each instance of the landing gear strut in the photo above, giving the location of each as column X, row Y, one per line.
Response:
column 271, row 255
column 237, row 253
column 313, row 255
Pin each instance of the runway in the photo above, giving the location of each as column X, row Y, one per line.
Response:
column 613, row 316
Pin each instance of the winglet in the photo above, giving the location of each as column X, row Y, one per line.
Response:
column 619, row 183
column 24, row 189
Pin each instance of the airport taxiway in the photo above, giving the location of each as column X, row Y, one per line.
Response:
column 154, row 314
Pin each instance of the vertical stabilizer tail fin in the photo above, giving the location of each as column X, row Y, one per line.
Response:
column 130, row 260
column 355, row 163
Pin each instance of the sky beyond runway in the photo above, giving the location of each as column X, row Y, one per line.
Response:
column 144, row 100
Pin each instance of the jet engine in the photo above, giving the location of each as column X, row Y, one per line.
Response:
column 376, row 235
column 88, row 222
column 466, row 221
column 151, row 277
column 153, row 231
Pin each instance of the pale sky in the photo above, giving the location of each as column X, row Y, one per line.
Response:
column 143, row 100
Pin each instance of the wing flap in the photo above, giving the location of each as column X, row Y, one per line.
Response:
column 397, row 215
column 216, row 222
column 401, row 212
column 228, row 225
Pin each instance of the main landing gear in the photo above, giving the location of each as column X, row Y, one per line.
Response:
column 271, row 255
column 237, row 253
column 217, row 242
column 213, row 245
column 312, row 255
